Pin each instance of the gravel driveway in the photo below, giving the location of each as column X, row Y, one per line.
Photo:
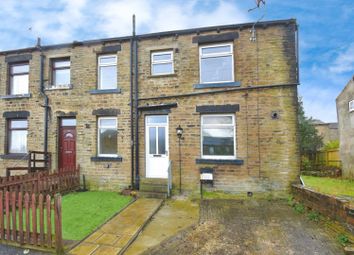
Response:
column 251, row 227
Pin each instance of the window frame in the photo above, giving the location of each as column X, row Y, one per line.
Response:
column 233, row 125
column 9, row 130
column 99, row 65
column 162, row 61
column 231, row 53
column 351, row 105
column 53, row 69
column 11, row 76
column 99, row 137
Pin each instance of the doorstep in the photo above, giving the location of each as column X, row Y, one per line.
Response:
column 117, row 234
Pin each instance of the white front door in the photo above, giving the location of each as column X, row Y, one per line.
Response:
column 156, row 140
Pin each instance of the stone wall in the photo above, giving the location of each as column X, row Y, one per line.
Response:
column 330, row 206
column 329, row 131
column 266, row 71
column 346, row 129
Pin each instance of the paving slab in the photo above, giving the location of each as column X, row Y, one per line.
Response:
column 114, row 236
column 174, row 216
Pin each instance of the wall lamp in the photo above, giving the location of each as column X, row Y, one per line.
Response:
column 179, row 131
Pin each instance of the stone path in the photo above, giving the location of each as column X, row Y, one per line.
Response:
column 174, row 216
column 116, row 235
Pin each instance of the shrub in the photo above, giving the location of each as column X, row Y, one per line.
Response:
column 343, row 239
column 331, row 145
column 313, row 216
column 299, row 208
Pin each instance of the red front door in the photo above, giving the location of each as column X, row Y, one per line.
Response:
column 67, row 144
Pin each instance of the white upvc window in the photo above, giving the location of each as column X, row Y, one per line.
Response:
column 107, row 136
column 218, row 138
column 216, row 63
column 107, row 72
column 17, row 135
column 162, row 63
column 19, row 79
column 61, row 72
column 351, row 106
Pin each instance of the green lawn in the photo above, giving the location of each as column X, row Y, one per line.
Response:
column 331, row 186
column 83, row 212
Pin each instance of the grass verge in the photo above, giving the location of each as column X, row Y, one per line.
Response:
column 83, row 212
column 330, row 186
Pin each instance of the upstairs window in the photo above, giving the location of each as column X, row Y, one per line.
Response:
column 107, row 136
column 17, row 135
column 19, row 79
column 107, row 72
column 218, row 136
column 61, row 72
column 351, row 106
column 162, row 63
column 216, row 63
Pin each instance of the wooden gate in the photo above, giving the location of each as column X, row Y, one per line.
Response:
column 31, row 219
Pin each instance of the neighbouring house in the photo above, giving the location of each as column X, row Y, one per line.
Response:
column 113, row 106
column 329, row 131
column 345, row 114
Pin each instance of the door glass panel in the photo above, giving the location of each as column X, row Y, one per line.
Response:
column 152, row 140
column 162, row 140
column 19, row 124
column 68, row 122
column 157, row 119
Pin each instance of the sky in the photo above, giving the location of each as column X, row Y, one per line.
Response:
column 325, row 28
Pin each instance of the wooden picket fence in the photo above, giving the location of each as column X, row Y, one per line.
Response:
column 43, row 182
column 29, row 220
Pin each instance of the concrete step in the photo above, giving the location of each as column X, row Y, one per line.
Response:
column 153, row 187
column 157, row 181
column 147, row 194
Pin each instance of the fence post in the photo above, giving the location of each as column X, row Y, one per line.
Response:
column 58, row 225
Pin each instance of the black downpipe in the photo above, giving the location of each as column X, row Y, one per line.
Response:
column 132, row 105
column 136, row 102
column 46, row 103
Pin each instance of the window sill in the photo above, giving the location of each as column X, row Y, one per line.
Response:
column 16, row 96
column 101, row 158
column 105, row 91
column 219, row 161
column 162, row 75
column 59, row 87
column 23, row 156
column 217, row 85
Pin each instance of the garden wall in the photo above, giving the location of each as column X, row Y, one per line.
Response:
column 331, row 206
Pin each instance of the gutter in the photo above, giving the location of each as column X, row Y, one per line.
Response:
column 132, row 108
column 46, row 100
column 136, row 103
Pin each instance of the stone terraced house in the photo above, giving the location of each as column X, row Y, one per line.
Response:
column 113, row 106
column 345, row 115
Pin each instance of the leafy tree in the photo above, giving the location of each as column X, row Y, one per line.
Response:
column 310, row 140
